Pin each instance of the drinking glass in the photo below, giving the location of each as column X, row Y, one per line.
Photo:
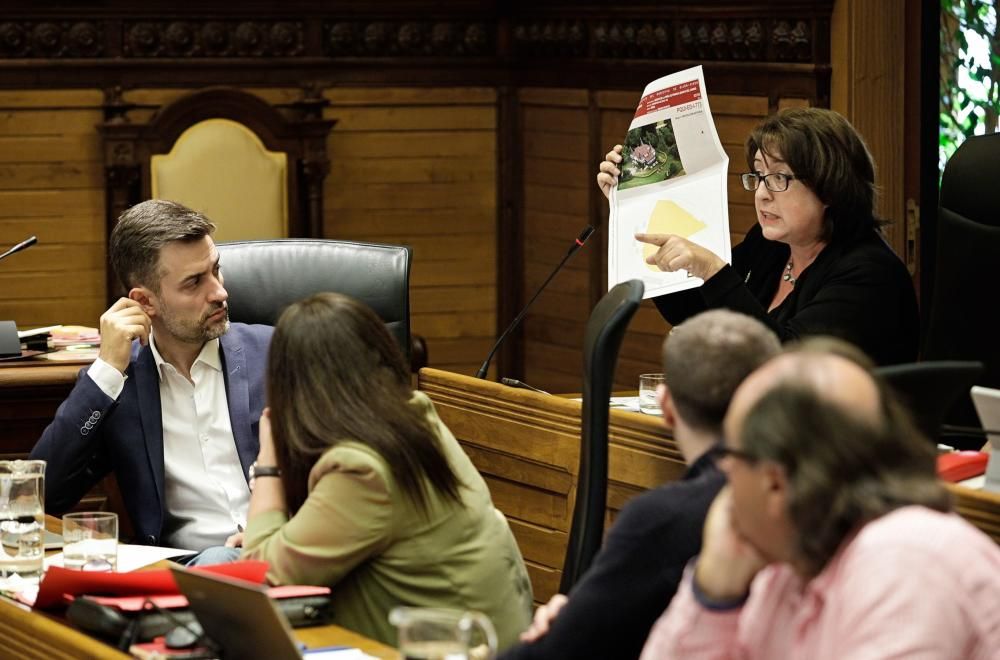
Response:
column 427, row 633
column 90, row 541
column 647, row 393
column 22, row 523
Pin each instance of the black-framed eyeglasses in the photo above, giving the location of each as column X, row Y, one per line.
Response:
column 775, row 181
column 720, row 451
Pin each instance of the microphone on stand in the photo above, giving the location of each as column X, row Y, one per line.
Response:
column 10, row 343
column 513, row 382
column 577, row 244
column 23, row 245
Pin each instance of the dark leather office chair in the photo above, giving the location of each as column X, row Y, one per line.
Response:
column 931, row 390
column 603, row 338
column 964, row 314
column 264, row 277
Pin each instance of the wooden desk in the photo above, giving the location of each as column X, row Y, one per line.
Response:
column 527, row 447
column 25, row 633
column 36, row 635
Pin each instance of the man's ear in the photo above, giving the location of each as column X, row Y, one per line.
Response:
column 775, row 486
column 145, row 298
column 666, row 405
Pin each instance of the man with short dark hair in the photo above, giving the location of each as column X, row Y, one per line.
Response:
column 609, row 612
column 172, row 403
column 833, row 538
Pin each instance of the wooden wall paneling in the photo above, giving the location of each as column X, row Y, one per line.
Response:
column 51, row 185
column 867, row 51
column 556, row 152
column 419, row 167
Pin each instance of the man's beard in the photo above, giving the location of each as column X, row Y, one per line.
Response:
column 193, row 332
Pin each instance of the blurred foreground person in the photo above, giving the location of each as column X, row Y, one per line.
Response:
column 359, row 485
column 833, row 538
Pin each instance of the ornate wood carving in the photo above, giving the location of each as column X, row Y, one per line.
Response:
column 407, row 38
column 545, row 42
column 213, row 38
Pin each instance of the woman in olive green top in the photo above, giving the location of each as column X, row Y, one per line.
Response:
column 375, row 498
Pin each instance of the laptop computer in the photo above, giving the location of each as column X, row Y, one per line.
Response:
column 238, row 616
column 987, row 402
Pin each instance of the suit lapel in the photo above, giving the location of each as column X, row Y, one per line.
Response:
column 238, row 397
column 150, row 414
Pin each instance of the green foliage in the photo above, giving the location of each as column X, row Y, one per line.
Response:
column 970, row 72
column 660, row 136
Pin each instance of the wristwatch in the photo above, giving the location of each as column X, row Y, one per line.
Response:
column 258, row 471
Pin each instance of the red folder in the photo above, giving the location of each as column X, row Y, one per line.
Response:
column 159, row 581
column 175, row 601
column 961, row 465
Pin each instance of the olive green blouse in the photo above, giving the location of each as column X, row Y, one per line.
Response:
column 360, row 535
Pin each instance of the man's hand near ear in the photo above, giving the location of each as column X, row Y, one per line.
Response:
column 124, row 322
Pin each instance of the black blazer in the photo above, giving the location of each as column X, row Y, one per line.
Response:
column 857, row 290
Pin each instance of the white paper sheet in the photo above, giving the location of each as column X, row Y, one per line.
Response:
column 673, row 182
column 131, row 557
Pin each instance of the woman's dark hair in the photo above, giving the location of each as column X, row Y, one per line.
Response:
column 828, row 155
column 842, row 471
column 335, row 374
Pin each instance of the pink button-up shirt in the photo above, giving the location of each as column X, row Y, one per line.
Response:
column 912, row 584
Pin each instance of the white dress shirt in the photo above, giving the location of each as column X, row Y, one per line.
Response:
column 206, row 492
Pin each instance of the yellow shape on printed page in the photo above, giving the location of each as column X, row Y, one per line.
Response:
column 669, row 218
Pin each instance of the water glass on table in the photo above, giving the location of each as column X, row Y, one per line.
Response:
column 90, row 541
column 22, row 523
column 647, row 393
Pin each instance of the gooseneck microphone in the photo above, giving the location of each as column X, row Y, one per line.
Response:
column 513, row 382
column 577, row 244
column 23, row 245
column 10, row 342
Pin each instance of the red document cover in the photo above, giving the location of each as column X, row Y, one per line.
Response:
column 173, row 601
column 159, row 581
column 961, row 465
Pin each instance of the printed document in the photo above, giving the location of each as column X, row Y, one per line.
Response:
column 673, row 181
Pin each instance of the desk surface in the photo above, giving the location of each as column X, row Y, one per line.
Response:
column 28, row 634
column 35, row 634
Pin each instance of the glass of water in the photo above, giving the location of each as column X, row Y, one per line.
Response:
column 647, row 393
column 22, row 523
column 90, row 541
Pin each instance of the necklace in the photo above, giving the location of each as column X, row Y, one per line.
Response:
column 788, row 277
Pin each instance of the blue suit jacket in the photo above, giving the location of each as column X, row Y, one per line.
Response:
column 92, row 435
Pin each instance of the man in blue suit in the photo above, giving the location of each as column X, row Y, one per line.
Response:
column 173, row 402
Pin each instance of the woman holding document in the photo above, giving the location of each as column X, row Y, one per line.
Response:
column 359, row 486
column 816, row 262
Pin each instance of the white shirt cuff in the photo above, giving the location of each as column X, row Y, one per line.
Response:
column 110, row 380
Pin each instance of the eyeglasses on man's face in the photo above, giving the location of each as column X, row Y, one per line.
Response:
column 775, row 181
column 721, row 451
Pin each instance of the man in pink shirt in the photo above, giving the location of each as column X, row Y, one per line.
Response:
column 833, row 537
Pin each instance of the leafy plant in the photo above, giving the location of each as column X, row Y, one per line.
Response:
column 970, row 73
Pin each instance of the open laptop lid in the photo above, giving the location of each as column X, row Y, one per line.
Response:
column 238, row 616
column 987, row 402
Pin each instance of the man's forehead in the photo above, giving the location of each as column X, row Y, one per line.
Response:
column 183, row 258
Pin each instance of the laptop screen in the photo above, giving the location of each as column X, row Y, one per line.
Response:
column 987, row 402
column 238, row 616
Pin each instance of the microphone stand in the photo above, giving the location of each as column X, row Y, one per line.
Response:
column 10, row 343
column 577, row 244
